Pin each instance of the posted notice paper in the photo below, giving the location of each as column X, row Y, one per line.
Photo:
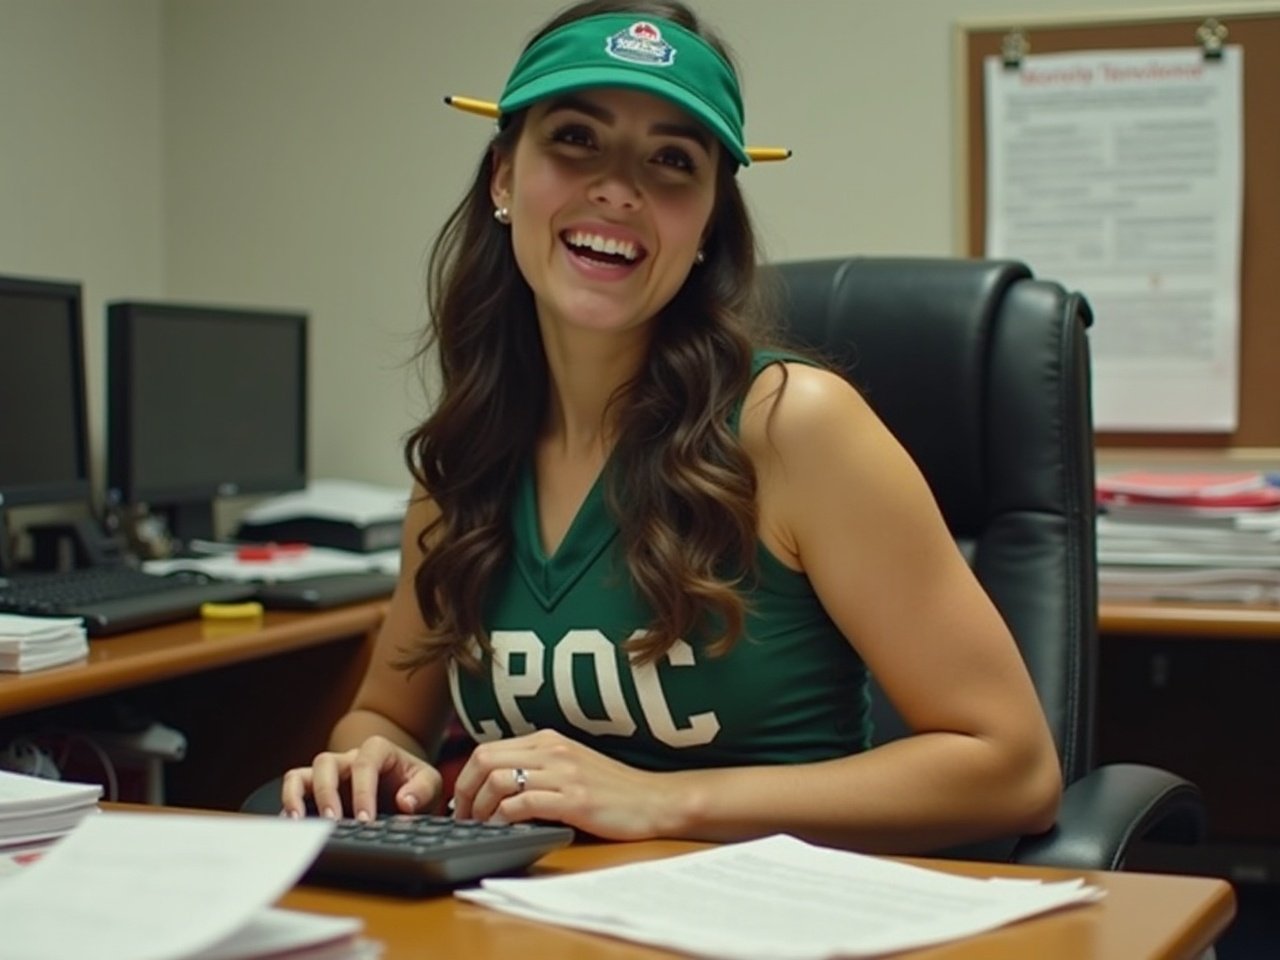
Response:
column 1119, row 174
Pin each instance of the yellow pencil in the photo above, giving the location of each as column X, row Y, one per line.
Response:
column 767, row 154
column 486, row 108
column 481, row 108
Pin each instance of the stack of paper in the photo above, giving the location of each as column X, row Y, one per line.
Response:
column 350, row 501
column 151, row 886
column 1178, row 535
column 33, row 643
column 778, row 899
column 33, row 809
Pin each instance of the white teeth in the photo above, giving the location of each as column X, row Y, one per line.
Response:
column 609, row 245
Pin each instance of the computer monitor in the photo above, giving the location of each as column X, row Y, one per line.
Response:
column 44, row 446
column 203, row 402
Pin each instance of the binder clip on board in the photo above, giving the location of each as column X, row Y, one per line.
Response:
column 1212, row 36
column 1013, row 47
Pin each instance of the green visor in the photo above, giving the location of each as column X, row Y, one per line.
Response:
column 619, row 50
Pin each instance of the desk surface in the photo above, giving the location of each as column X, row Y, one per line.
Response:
column 1141, row 916
column 1169, row 618
column 179, row 649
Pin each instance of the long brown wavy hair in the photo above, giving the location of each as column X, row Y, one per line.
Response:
column 688, row 530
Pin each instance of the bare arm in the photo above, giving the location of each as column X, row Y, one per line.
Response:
column 841, row 500
column 395, row 721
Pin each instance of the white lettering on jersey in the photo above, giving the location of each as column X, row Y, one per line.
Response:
column 508, row 687
column 617, row 721
column 487, row 729
column 702, row 727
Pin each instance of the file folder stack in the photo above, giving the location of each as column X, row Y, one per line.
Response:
column 1200, row 536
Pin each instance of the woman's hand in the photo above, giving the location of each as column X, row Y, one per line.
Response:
column 547, row 776
column 376, row 766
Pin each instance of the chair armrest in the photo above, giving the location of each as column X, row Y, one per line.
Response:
column 1105, row 811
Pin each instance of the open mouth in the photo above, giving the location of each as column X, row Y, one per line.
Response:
column 607, row 251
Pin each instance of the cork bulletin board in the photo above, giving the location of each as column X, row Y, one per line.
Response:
column 1258, row 33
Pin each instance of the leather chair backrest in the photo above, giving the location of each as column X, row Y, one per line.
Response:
column 982, row 373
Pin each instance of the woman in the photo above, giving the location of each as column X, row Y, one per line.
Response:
column 649, row 560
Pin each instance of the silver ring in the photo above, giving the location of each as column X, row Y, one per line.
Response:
column 521, row 778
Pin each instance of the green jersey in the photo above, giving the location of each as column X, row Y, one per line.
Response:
column 790, row 690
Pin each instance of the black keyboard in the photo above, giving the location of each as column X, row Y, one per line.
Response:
column 419, row 852
column 115, row 599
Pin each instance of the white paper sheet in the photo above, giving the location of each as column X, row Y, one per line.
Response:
column 273, row 932
column 777, row 899
column 141, row 886
column 1119, row 173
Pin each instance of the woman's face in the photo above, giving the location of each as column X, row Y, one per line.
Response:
column 610, row 192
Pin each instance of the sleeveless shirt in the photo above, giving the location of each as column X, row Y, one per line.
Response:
column 790, row 690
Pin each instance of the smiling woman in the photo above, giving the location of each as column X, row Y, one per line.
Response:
column 652, row 554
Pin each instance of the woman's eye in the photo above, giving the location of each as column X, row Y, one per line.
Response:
column 574, row 135
column 676, row 158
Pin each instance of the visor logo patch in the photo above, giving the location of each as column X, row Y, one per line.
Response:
column 641, row 43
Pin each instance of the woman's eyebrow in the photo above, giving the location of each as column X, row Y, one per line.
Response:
column 686, row 130
column 663, row 127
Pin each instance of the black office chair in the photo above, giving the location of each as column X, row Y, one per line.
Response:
column 982, row 372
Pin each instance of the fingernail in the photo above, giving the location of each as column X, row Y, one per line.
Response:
column 410, row 803
column 362, row 816
column 328, row 812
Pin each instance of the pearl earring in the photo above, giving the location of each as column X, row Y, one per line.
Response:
column 700, row 257
column 502, row 215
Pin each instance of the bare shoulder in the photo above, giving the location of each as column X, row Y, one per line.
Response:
column 825, row 462
column 793, row 409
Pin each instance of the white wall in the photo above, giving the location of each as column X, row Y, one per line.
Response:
column 80, row 155
column 296, row 153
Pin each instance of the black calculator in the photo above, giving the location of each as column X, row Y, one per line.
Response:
column 420, row 851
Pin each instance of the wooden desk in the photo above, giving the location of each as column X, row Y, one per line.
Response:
column 253, row 698
column 1237, row 621
column 1142, row 916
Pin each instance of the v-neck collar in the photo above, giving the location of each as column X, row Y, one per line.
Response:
column 590, row 531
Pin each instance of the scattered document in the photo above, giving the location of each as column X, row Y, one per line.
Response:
column 1120, row 174
column 36, row 643
column 302, row 936
column 36, row 809
column 150, row 886
column 778, row 899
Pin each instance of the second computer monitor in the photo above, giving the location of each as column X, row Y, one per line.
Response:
column 203, row 402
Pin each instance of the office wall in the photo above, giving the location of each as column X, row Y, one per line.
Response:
column 296, row 153
column 80, row 155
